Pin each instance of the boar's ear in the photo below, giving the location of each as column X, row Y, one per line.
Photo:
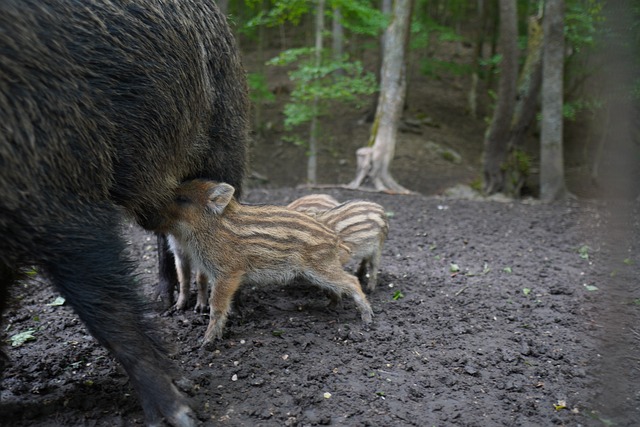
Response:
column 219, row 197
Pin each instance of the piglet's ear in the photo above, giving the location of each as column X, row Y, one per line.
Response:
column 219, row 197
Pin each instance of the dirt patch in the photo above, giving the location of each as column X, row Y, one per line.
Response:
column 517, row 336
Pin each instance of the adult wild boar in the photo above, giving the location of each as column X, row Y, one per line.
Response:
column 105, row 107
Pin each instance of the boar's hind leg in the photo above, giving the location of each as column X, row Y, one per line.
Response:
column 86, row 262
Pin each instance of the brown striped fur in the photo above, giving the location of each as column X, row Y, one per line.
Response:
column 363, row 228
column 234, row 244
column 313, row 203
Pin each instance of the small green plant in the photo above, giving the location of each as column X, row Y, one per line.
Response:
column 397, row 295
column 583, row 251
column 477, row 184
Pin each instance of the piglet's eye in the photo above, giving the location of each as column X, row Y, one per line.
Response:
column 182, row 200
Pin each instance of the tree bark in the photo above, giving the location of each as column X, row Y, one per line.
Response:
column 374, row 161
column 312, row 163
column 529, row 82
column 337, row 31
column 472, row 96
column 496, row 140
column 552, row 185
column 371, row 115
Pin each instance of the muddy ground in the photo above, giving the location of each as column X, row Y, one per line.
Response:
column 538, row 327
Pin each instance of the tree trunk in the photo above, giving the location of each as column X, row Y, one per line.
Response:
column 495, row 150
column 552, row 185
column 337, row 32
column 472, row 97
column 312, row 164
column 371, row 115
column 530, row 80
column 374, row 161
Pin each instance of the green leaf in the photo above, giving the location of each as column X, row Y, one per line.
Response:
column 397, row 295
column 507, row 270
column 454, row 268
column 18, row 339
column 590, row 288
column 583, row 251
column 57, row 301
column 526, row 291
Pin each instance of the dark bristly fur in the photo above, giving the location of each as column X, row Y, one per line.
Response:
column 106, row 106
column 234, row 243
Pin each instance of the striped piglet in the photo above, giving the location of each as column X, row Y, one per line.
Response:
column 362, row 226
column 234, row 243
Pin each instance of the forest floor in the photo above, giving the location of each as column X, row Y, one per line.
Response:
column 538, row 325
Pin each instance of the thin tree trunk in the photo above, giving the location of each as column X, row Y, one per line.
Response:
column 552, row 185
column 495, row 152
column 386, row 10
column 312, row 165
column 374, row 162
column 494, row 44
column 258, row 106
column 337, row 41
column 472, row 97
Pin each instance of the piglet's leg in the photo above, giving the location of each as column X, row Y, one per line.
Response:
column 183, row 268
column 203, row 283
column 222, row 292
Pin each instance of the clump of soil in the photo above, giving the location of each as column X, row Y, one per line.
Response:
column 486, row 313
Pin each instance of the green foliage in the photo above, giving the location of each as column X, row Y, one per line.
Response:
column 258, row 88
column 280, row 12
column 435, row 68
column 582, row 21
column 360, row 17
column 571, row 109
column 331, row 81
column 422, row 31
